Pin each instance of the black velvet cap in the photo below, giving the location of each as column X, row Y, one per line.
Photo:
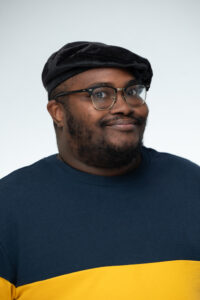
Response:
column 77, row 57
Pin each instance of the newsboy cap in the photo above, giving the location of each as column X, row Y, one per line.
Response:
column 77, row 57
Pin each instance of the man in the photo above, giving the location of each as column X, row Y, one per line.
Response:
column 106, row 217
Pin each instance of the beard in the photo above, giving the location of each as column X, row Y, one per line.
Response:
column 95, row 150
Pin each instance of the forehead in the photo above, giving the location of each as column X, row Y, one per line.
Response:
column 115, row 76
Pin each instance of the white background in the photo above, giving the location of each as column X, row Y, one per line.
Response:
column 165, row 32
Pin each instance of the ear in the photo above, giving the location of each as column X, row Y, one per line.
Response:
column 56, row 111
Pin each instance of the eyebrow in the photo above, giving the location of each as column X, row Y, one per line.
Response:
column 97, row 84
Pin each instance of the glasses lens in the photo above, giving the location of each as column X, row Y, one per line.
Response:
column 103, row 97
column 135, row 95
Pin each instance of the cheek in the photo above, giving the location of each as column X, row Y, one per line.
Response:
column 88, row 115
column 142, row 111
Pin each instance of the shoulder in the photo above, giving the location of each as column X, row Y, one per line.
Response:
column 172, row 163
column 164, row 157
column 20, row 181
column 34, row 169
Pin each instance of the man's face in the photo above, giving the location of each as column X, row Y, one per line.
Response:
column 109, row 138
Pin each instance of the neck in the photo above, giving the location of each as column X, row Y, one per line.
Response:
column 79, row 165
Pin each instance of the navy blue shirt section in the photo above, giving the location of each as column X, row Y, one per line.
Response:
column 55, row 220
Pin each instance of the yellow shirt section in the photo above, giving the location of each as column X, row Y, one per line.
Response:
column 171, row 280
column 7, row 290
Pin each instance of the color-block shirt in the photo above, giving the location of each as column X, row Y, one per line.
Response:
column 66, row 234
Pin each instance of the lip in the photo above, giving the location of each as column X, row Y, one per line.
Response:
column 122, row 124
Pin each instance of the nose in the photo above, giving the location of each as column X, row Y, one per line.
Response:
column 121, row 106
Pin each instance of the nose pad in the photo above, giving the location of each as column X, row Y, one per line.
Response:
column 124, row 98
column 120, row 95
column 120, row 104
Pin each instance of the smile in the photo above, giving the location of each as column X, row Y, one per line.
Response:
column 122, row 124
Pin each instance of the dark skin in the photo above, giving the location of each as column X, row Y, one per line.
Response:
column 118, row 127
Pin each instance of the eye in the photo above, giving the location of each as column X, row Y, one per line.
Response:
column 136, row 90
column 131, row 91
column 100, row 94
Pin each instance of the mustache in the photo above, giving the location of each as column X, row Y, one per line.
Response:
column 136, row 120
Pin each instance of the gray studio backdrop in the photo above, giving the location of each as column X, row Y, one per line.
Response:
column 166, row 32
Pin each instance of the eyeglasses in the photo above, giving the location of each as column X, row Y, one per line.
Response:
column 104, row 97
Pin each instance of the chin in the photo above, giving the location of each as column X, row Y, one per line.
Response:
column 110, row 153
column 124, row 143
